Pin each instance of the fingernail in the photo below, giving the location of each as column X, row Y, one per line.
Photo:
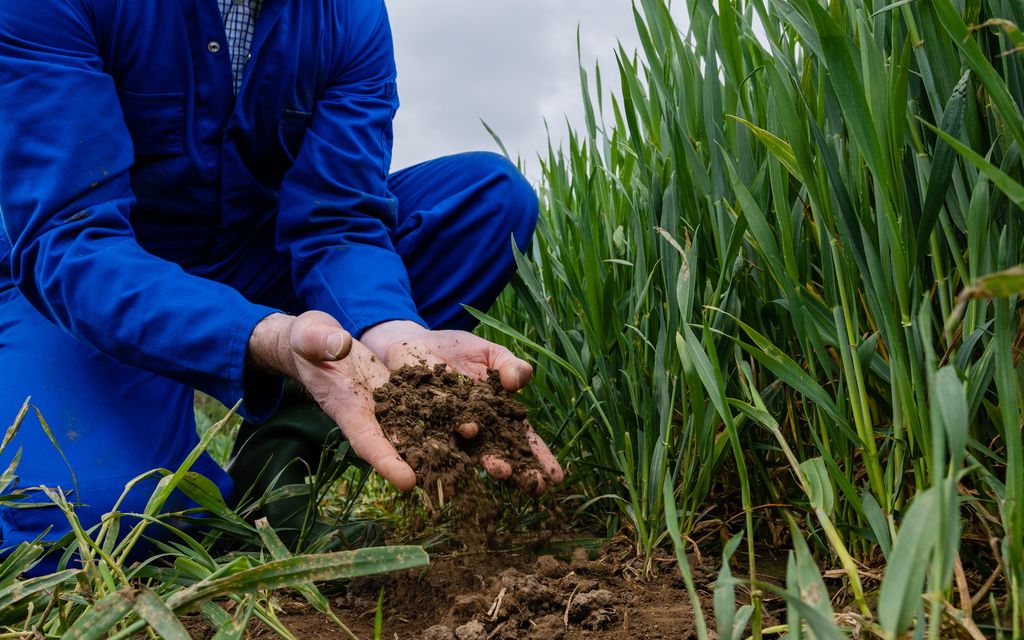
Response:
column 335, row 344
column 523, row 374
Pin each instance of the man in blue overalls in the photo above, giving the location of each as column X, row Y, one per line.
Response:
column 195, row 194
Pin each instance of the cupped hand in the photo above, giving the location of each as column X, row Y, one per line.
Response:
column 340, row 374
column 406, row 343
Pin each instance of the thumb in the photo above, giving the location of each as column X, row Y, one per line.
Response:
column 318, row 337
column 515, row 373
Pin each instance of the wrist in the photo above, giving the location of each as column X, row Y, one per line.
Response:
column 270, row 347
column 382, row 337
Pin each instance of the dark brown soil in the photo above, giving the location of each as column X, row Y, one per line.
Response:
column 512, row 597
column 506, row 596
column 420, row 408
column 480, row 593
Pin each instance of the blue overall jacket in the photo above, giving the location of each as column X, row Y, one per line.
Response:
column 124, row 154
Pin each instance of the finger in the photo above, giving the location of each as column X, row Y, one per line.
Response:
column 531, row 481
column 514, row 372
column 468, row 430
column 496, row 467
column 338, row 344
column 390, row 466
column 548, row 462
column 397, row 472
column 320, row 339
column 370, row 444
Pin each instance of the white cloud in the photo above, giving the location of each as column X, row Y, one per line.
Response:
column 511, row 63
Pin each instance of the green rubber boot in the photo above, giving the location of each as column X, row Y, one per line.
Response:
column 281, row 468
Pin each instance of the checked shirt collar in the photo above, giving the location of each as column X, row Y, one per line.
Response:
column 240, row 26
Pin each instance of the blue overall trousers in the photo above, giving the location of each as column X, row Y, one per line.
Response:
column 151, row 219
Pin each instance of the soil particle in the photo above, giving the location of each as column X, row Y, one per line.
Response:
column 594, row 609
column 550, row 567
column 420, row 408
column 472, row 630
column 580, row 559
column 519, row 594
column 549, row 627
column 580, row 562
column 439, row 632
column 469, row 605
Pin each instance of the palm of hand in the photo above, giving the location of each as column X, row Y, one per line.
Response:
column 464, row 352
column 473, row 356
column 344, row 389
column 343, row 384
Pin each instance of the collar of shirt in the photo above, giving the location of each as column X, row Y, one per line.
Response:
column 239, row 26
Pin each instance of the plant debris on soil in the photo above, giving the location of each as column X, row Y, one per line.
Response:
column 513, row 597
column 419, row 409
column 602, row 593
column 509, row 596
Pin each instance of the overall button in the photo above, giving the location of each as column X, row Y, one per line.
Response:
column 213, row 46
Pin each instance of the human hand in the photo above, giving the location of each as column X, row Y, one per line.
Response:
column 407, row 343
column 340, row 374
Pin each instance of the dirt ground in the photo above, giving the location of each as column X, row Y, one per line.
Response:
column 506, row 596
column 503, row 566
column 477, row 589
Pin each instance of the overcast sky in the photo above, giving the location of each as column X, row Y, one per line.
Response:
column 511, row 63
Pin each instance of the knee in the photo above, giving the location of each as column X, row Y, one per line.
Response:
column 515, row 205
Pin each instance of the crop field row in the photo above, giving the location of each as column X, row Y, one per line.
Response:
column 778, row 275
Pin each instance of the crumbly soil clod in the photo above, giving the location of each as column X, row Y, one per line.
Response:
column 509, row 596
column 420, row 409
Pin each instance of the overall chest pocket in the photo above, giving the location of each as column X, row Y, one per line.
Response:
column 291, row 130
column 156, row 121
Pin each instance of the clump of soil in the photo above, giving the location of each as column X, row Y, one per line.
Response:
column 512, row 597
column 420, row 409
column 482, row 596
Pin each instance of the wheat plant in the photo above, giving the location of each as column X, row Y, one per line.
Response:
column 778, row 267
